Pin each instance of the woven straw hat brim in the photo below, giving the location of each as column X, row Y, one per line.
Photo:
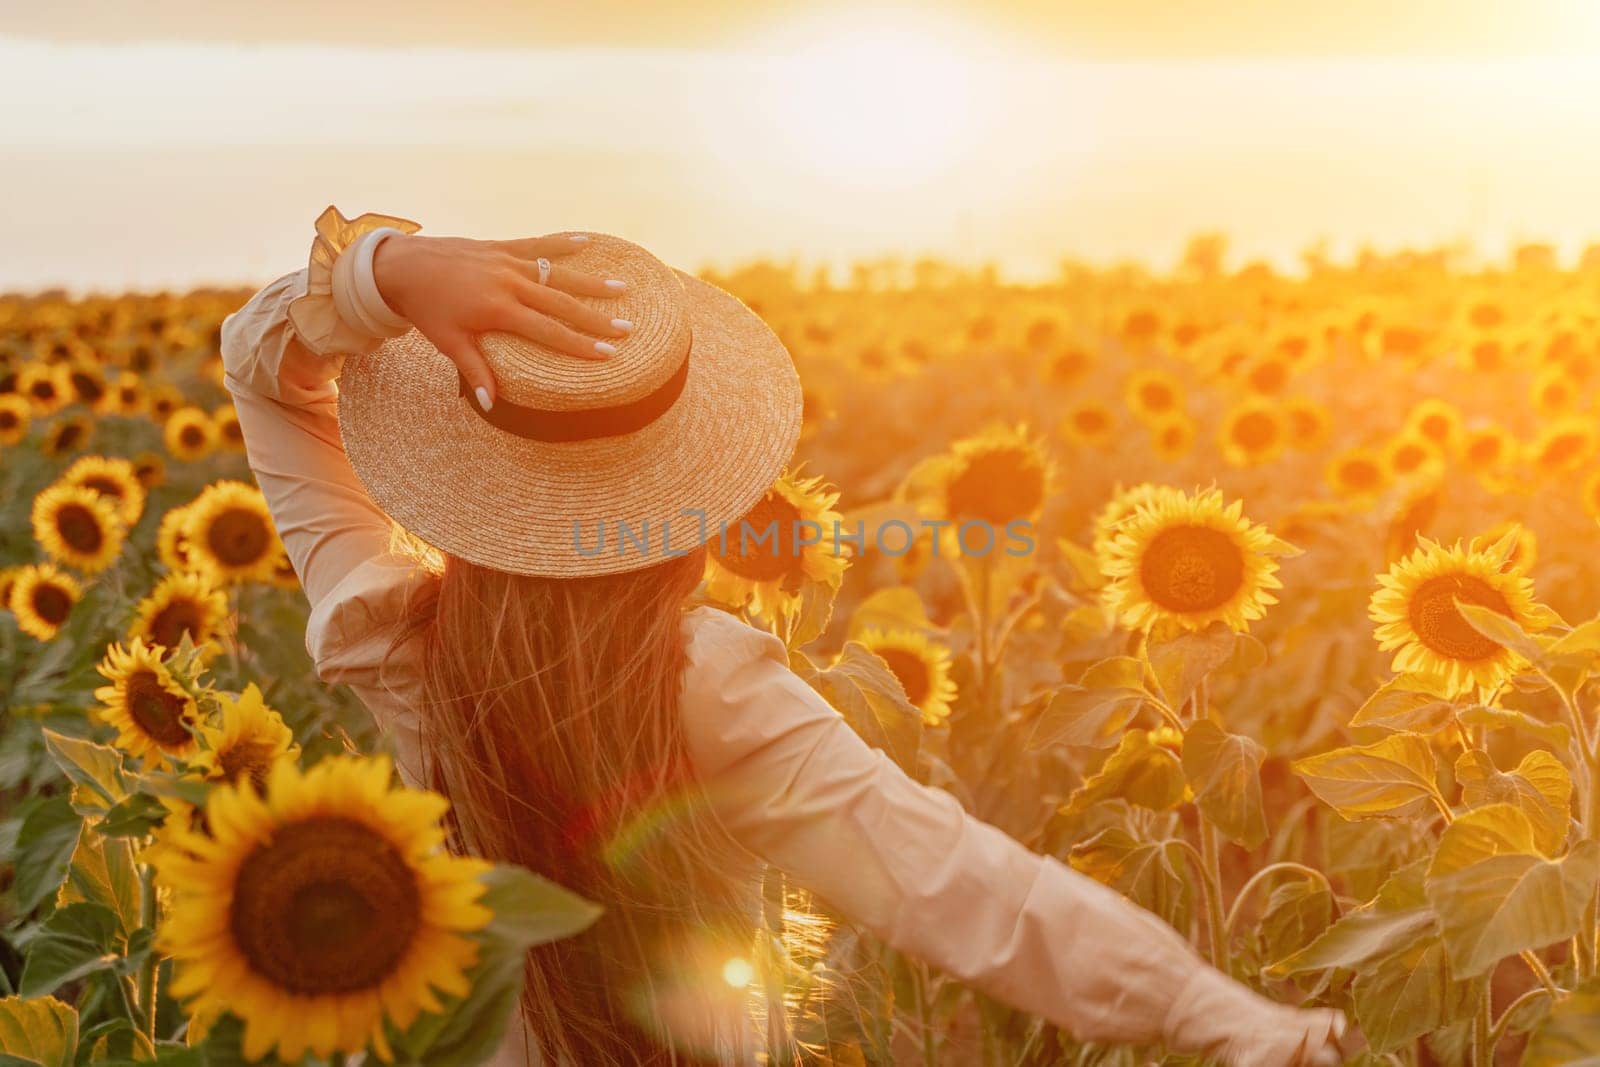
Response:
column 432, row 463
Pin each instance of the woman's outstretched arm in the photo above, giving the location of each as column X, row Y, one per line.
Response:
column 796, row 785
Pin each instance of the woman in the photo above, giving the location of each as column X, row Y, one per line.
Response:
column 564, row 422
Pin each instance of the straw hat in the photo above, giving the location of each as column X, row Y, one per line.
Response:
column 581, row 467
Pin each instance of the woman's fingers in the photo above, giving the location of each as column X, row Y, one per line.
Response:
column 550, row 247
column 573, row 281
column 541, row 328
column 461, row 348
column 572, row 311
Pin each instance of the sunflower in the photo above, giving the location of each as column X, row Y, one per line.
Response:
column 128, row 394
column 1565, row 446
column 1358, row 472
column 1122, row 506
column 189, row 434
column 229, row 532
column 761, row 562
column 1554, row 392
column 153, row 715
column 1153, row 395
column 1415, row 517
column 1308, row 423
column 172, row 543
column 1253, row 432
column 1090, row 423
column 150, row 469
column 112, row 478
column 229, row 434
column 42, row 598
column 1411, row 455
column 1172, row 438
column 45, row 386
column 1488, row 449
column 8, row 582
column 67, row 435
column 1268, row 376
column 921, row 666
column 184, row 602
column 997, row 477
column 244, row 743
column 1070, row 365
column 88, row 384
column 321, row 910
column 1416, row 614
column 1486, row 354
column 1439, row 422
column 165, row 399
column 77, row 527
column 1191, row 560
column 15, row 417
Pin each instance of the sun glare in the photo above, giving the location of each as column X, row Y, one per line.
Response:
column 877, row 105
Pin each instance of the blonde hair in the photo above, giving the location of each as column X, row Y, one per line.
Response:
column 550, row 721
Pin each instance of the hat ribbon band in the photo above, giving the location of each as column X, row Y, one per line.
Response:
column 580, row 424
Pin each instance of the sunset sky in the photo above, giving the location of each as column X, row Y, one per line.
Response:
column 195, row 143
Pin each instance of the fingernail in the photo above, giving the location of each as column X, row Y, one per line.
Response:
column 605, row 349
column 622, row 324
column 579, row 238
column 616, row 285
column 483, row 398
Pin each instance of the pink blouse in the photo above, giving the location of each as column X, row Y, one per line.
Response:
column 792, row 782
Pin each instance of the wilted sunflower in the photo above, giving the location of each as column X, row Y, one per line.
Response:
column 921, row 666
column 1153, row 395
column 1565, row 446
column 321, row 910
column 153, row 715
column 1358, row 472
column 112, row 478
column 1090, row 423
column 760, row 562
column 189, row 434
column 15, row 418
column 66, row 435
column 1253, row 432
column 77, row 527
column 185, row 602
column 1415, row 609
column 229, row 532
column 246, row 740
column 999, row 476
column 226, row 421
column 42, row 598
column 1191, row 560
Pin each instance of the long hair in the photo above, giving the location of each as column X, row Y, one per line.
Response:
column 550, row 721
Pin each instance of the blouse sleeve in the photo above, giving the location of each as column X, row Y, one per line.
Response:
column 794, row 784
column 337, row 538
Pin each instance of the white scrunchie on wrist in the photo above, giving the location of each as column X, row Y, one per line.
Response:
column 342, row 311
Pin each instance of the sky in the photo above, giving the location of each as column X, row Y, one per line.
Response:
column 183, row 143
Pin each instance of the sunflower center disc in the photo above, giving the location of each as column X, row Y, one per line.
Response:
column 328, row 906
column 158, row 712
column 80, row 528
column 247, row 759
column 997, row 487
column 105, row 487
column 51, row 604
column 238, row 537
column 762, row 547
column 1439, row 625
column 1191, row 569
column 912, row 672
column 168, row 625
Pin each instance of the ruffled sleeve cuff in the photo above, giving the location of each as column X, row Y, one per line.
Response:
column 315, row 316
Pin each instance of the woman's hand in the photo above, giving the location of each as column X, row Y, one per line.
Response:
column 454, row 288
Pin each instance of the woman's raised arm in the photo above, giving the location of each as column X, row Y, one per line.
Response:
column 794, row 784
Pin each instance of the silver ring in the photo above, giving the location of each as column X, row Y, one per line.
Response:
column 544, row 270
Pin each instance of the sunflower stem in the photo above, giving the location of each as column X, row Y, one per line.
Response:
column 148, row 968
column 772, row 910
column 1210, row 854
column 1483, row 1036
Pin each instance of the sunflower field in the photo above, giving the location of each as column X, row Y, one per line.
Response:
column 1300, row 652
